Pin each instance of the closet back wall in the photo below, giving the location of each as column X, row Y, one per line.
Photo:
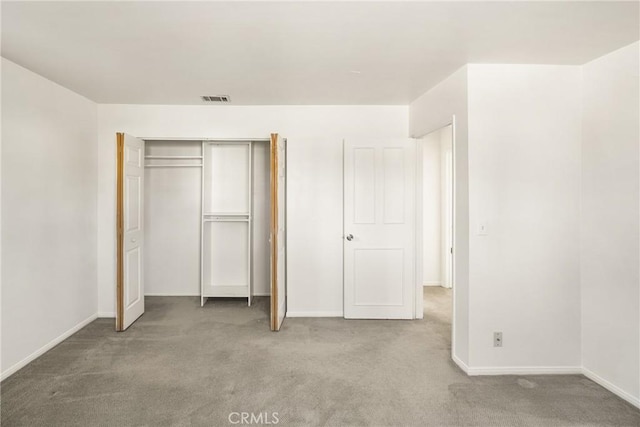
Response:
column 314, row 180
column 172, row 220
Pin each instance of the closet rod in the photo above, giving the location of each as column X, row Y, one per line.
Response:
column 173, row 157
column 232, row 214
column 172, row 166
column 206, row 139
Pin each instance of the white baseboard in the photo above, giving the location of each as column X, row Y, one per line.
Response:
column 315, row 314
column 524, row 370
column 471, row 371
column 106, row 314
column 460, row 364
column 611, row 387
column 431, row 284
column 548, row 370
column 262, row 294
column 42, row 350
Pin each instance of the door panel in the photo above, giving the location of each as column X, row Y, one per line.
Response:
column 132, row 191
column 278, row 231
column 130, row 230
column 379, row 225
column 379, row 277
column 394, row 185
column 133, row 279
column 364, row 188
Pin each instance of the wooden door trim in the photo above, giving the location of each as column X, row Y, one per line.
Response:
column 274, row 231
column 120, row 228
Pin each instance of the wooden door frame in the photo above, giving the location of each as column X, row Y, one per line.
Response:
column 273, row 172
column 419, row 292
column 119, row 232
column 274, row 209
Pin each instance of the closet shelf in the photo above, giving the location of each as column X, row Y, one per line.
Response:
column 235, row 214
column 226, row 219
column 173, row 157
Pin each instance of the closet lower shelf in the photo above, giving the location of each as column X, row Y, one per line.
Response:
column 241, row 291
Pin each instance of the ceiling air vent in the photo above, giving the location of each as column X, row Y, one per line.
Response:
column 216, row 98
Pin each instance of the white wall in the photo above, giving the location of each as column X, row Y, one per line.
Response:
column 524, row 184
column 517, row 169
column 49, row 187
column 432, row 111
column 314, row 200
column 610, row 221
column 431, row 212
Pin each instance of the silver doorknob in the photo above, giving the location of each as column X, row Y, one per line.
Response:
column 349, row 237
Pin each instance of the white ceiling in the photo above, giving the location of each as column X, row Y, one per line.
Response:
column 296, row 52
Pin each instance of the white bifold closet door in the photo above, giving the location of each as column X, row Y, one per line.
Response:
column 278, row 231
column 379, row 228
column 130, row 230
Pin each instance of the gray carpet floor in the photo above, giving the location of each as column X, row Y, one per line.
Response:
column 182, row 365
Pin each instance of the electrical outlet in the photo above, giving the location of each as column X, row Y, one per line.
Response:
column 497, row 339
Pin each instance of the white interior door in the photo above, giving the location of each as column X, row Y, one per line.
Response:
column 278, row 231
column 130, row 205
column 379, row 229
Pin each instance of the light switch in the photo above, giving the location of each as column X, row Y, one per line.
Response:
column 483, row 229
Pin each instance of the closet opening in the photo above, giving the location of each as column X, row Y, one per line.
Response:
column 202, row 212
